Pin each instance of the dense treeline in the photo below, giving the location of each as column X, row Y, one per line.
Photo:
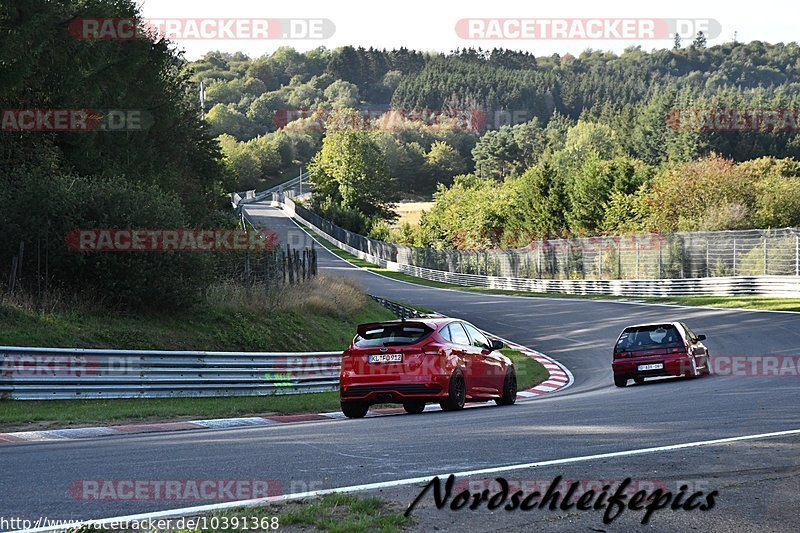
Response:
column 161, row 170
column 648, row 112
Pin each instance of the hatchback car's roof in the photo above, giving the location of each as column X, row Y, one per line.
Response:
column 651, row 324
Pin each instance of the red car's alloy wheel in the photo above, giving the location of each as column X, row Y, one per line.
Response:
column 458, row 393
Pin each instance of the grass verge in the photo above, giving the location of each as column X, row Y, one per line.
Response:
column 756, row 303
column 320, row 315
column 18, row 415
column 334, row 513
column 529, row 372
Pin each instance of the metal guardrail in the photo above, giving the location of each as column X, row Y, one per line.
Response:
column 66, row 373
column 780, row 286
column 399, row 310
column 247, row 197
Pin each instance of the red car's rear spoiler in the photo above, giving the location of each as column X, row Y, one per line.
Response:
column 362, row 328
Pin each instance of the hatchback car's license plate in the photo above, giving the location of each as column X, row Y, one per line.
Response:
column 386, row 358
column 654, row 366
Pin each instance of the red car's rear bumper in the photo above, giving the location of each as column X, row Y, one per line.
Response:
column 674, row 365
column 393, row 388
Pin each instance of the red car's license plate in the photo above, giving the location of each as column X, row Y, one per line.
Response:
column 386, row 358
column 654, row 366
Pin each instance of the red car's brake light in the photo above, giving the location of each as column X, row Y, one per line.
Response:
column 432, row 348
column 347, row 354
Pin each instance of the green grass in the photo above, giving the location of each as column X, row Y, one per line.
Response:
column 763, row 303
column 16, row 414
column 205, row 328
column 334, row 513
column 529, row 372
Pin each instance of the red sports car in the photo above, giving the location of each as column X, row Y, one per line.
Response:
column 424, row 360
column 663, row 349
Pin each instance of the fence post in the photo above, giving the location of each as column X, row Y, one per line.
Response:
column 600, row 264
column 766, row 269
column 708, row 269
column 734, row 257
column 568, row 267
column 619, row 258
column 637, row 258
column 797, row 255
column 660, row 259
column 247, row 274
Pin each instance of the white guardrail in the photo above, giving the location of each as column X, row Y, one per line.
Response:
column 780, row 286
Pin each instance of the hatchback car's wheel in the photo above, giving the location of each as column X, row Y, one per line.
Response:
column 620, row 381
column 457, row 393
column 354, row 409
column 509, row 389
column 414, row 408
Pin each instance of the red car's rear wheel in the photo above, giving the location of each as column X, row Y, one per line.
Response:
column 414, row 407
column 457, row 393
column 354, row 409
column 509, row 389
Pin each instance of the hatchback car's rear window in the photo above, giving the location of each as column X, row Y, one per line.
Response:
column 649, row 338
column 390, row 335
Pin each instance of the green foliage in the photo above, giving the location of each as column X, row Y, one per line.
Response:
column 351, row 169
column 164, row 175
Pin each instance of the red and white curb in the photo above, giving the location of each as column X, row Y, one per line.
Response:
column 560, row 378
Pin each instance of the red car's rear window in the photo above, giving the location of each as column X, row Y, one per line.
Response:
column 396, row 334
column 649, row 338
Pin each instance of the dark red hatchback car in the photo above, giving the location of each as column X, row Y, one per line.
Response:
column 661, row 349
column 417, row 361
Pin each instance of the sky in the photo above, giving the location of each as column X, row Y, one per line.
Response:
column 430, row 25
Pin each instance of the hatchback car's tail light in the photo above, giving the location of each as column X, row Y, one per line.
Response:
column 432, row 348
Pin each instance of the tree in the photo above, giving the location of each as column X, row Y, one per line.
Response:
column 351, row 169
column 676, row 42
column 444, row 162
column 699, row 40
column 341, row 94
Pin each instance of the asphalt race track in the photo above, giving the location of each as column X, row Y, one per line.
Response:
column 757, row 479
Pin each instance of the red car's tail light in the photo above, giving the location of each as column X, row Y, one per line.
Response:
column 347, row 354
column 432, row 348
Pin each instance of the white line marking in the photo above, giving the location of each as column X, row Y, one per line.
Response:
column 189, row 511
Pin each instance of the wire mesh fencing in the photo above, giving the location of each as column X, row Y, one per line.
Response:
column 756, row 252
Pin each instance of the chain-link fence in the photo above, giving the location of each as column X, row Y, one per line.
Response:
column 639, row 256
